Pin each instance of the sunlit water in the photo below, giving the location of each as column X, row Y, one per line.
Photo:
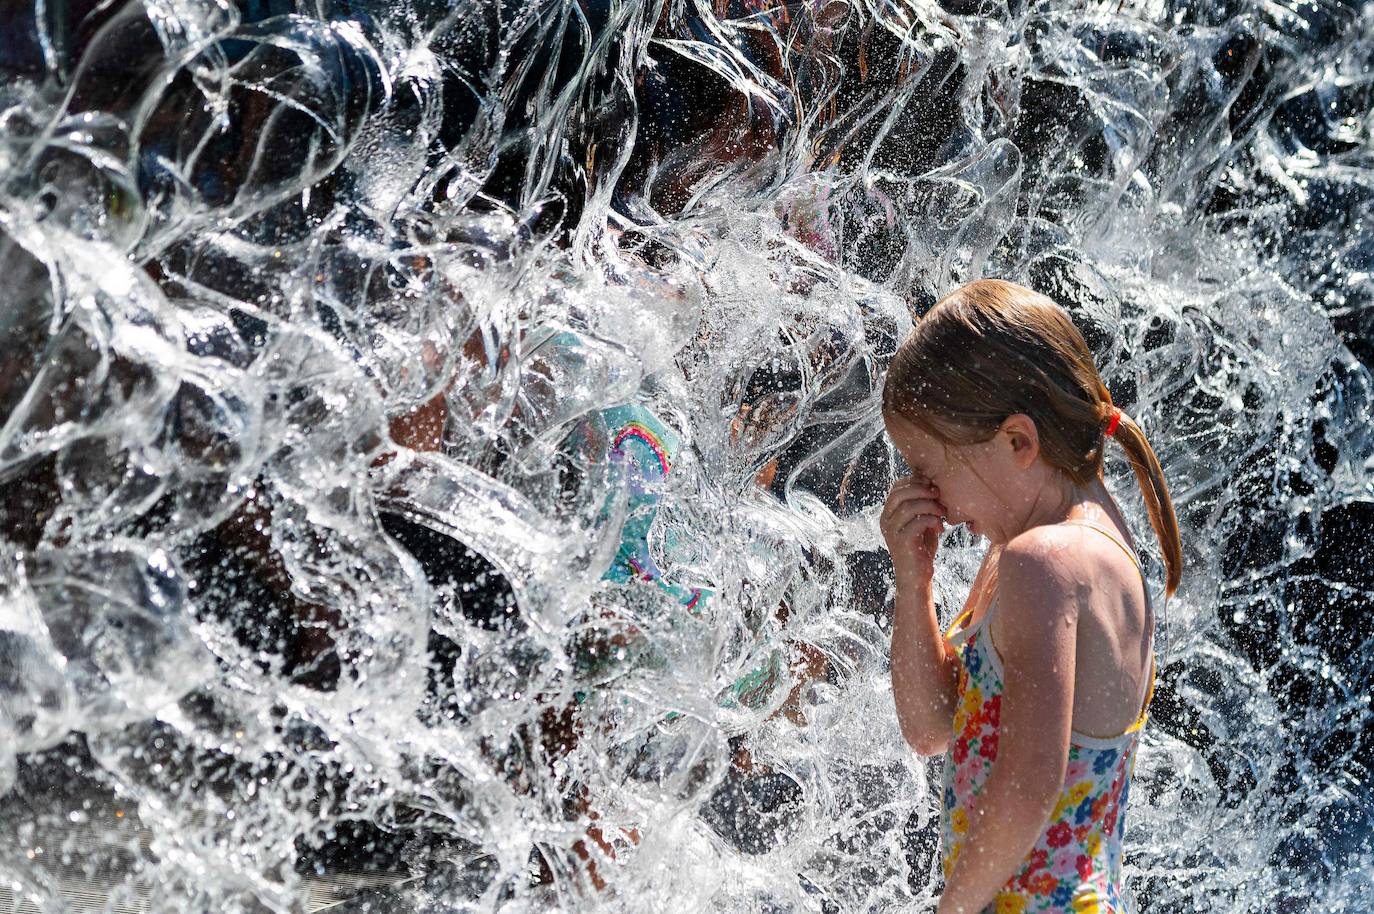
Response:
column 242, row 644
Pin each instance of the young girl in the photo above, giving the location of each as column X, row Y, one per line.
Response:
column 1038, row 692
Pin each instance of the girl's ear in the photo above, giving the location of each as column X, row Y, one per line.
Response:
column 1023, row 438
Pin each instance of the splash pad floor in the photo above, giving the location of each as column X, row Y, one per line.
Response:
column 67, row 846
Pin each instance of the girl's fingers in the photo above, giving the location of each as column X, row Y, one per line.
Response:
column 899, row 495
column 903, row 511
column 920, row 524
column 894, row 529
column 910, row 489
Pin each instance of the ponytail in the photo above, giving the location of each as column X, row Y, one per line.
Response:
column 1156, row 491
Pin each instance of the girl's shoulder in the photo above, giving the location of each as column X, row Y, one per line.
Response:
column 1051, row 555
column 1072, row 549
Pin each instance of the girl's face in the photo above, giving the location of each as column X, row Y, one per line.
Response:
column 967, row 498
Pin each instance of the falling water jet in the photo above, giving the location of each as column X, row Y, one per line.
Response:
column 440, row 447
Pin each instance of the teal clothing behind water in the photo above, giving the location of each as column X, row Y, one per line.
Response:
column 648, row 448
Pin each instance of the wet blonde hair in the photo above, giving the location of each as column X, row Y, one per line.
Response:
column 993, row 348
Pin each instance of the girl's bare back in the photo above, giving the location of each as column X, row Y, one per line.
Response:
column 1112, row 665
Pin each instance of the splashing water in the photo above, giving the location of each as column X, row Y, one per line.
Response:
column 441, row 454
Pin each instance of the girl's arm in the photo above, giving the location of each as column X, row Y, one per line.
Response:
column 924, row 673
column 1042, row 587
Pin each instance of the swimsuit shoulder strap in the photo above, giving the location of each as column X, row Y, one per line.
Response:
column 1111, row 536
column 1154, row 671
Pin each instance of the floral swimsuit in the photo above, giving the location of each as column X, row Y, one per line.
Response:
column 1075, row 865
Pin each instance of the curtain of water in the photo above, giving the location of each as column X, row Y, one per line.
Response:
column 326, row 325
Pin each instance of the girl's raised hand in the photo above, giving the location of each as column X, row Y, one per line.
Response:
column 911, row 522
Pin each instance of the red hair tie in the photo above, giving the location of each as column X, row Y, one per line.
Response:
column 1115, row 420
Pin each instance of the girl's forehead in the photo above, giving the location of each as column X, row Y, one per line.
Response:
column 923, row 446
column 899, row 425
